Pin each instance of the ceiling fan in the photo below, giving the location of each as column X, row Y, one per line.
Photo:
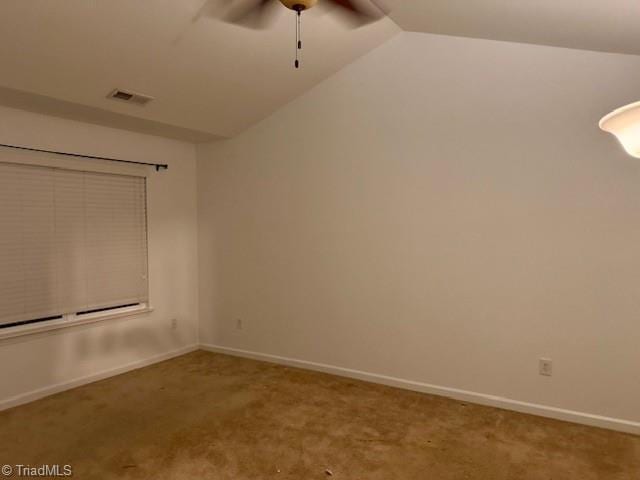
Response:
column 256, row 13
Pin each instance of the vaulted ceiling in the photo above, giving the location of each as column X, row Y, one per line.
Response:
column 211, row 79
column 602, row 25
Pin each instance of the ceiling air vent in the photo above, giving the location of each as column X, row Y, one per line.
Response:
column 130, row 97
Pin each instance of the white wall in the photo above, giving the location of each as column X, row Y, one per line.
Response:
column 31, row 363
column 444, row 210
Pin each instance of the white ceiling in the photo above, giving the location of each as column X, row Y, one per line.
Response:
column 212, row 79
column 603, row 25
column 209, row 78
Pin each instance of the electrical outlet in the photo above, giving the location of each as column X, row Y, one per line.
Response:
column 239, row 325
column 546, row 367
column 174, row 323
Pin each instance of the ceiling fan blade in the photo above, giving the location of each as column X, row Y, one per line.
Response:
column 358, row 12
column 348, row 4
column 252, row 14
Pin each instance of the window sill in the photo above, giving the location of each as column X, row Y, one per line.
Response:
column 73, row 322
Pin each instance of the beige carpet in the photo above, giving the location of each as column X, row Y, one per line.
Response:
column 208, row 416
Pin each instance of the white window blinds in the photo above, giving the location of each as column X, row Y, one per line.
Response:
column 70, row 241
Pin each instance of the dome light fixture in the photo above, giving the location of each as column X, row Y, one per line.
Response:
column 624, row 123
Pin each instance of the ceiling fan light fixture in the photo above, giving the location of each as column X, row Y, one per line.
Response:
column 624, row 124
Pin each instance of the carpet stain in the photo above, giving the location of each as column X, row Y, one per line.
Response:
column 211, row 416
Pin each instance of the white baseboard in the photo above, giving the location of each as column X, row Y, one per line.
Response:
column 59, row 387
column 462, row 395
column 626, row 426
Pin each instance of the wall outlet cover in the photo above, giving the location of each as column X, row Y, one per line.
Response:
column 545, row 367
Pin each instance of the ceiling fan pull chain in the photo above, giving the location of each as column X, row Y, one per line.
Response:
column 299, row 30
column 298, row 40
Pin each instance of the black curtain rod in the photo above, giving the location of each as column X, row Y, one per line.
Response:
column 159, row 166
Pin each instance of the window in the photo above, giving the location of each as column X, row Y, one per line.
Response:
column 71, row 242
